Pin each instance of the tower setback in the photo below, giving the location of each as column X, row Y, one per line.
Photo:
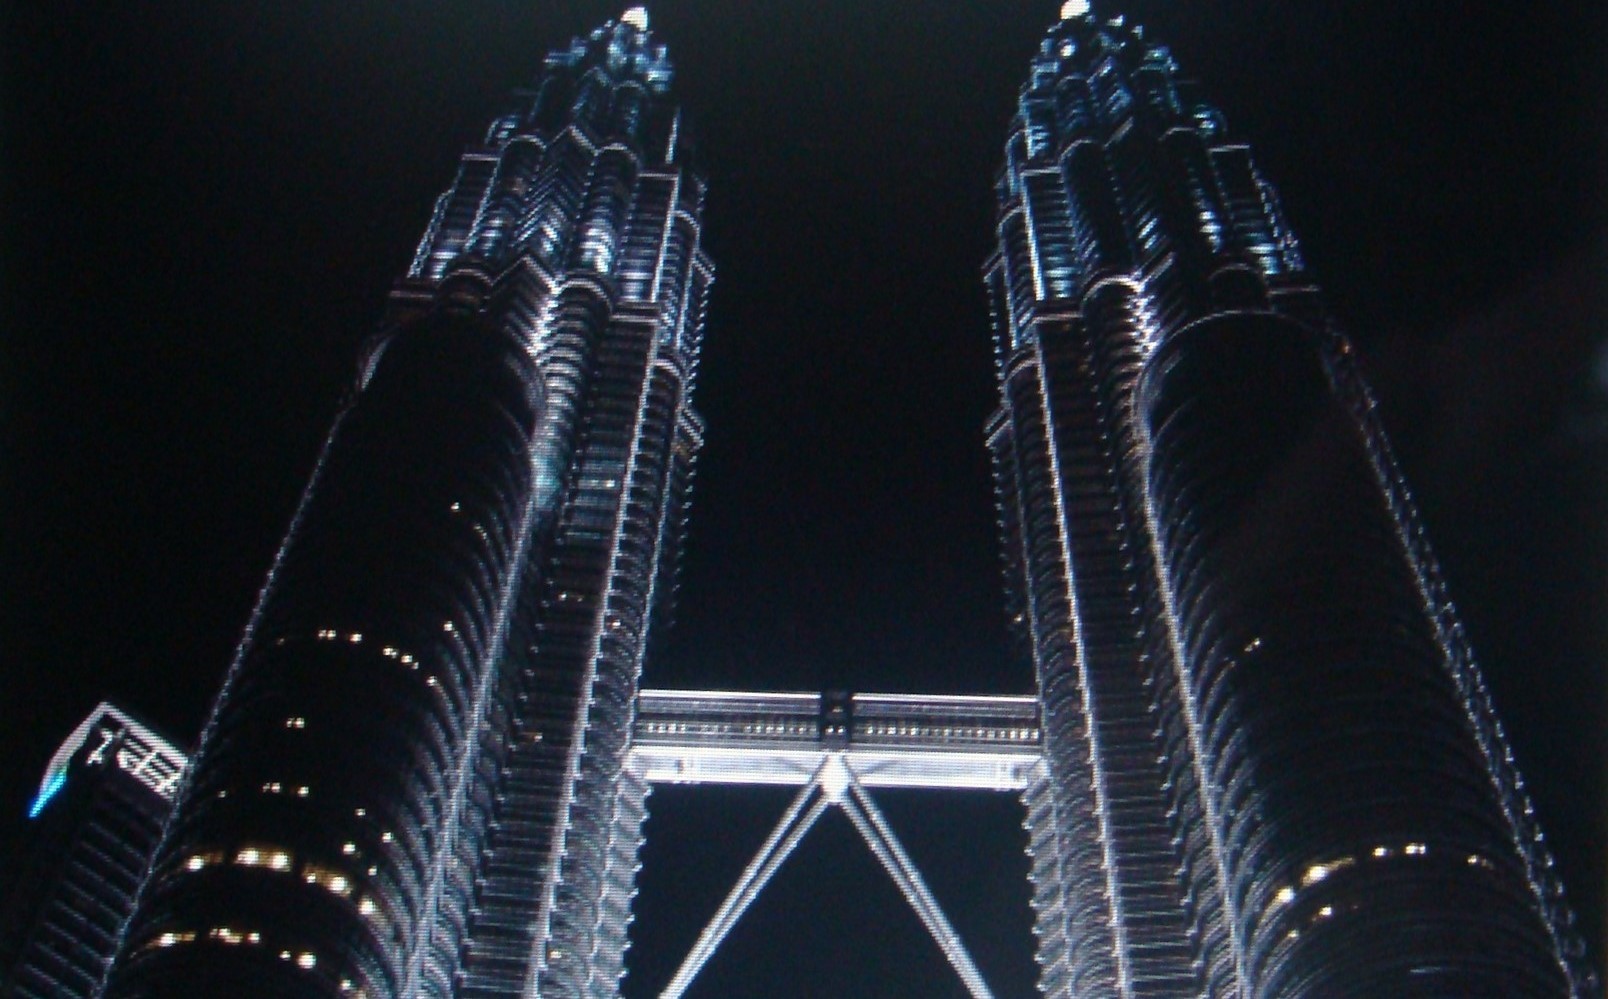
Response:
column 1270, row 765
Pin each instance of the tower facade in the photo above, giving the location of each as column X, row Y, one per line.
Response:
column 1270, row 766
column 414, row 779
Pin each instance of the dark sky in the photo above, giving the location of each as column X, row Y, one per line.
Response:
column 205, row 203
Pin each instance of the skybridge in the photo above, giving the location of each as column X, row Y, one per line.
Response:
column 835, row 747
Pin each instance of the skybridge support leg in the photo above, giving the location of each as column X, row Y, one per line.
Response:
column 800, row 816
column 874, row 829
column 833, row 784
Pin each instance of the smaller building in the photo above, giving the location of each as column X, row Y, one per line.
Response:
column 97, row 818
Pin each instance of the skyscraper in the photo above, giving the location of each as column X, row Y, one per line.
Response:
column 1273, row 768
column 96, row 820
column 413, row 780
column 422, row 776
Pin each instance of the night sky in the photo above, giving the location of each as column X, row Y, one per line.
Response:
column 204, row 205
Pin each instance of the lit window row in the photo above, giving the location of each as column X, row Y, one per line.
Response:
column 356, row 638
column 810, row 728
column 275, row 787
column 224, row 935
column 327, row 878
column 230, row 937
column 218, row 934
column 332, row 880
column 276, row 859
column 800, row 728
column 172, row 939
column 261, row 856
column 1012, row 734
column 1318, row 872
column 200, row 861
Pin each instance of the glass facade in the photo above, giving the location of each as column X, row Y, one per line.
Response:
column 414, row 781
column 1270, row 766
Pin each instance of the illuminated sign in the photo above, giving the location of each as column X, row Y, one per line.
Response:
column 114, row 737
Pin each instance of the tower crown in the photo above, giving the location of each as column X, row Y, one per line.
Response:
column 624, row 48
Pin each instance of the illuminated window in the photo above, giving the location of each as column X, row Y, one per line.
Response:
column 261, row 856
column 234, row 938
column 1317, row 872
column 170, row 939
column 330, row 880
column 201, row 861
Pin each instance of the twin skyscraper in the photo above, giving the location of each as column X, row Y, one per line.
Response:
column 1261, row 761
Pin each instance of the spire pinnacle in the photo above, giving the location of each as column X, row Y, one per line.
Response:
column 636, row 17
column 1074, row 8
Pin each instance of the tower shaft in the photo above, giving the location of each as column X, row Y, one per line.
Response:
column 414, row 780
column 1270, row 766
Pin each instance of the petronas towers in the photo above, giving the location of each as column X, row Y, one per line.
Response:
column 1260, row 761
